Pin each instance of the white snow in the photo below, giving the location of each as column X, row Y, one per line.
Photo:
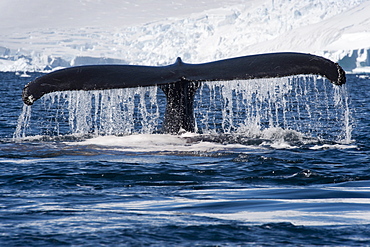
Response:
column 41, row 14
column 40, row 34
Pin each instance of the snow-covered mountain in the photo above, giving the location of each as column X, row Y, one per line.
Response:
column 36, row 35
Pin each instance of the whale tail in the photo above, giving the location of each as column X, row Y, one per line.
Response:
column 180, row 81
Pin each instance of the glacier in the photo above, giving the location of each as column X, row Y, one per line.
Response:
column 40, row 36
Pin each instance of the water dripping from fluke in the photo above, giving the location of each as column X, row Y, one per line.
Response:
column 227, row 97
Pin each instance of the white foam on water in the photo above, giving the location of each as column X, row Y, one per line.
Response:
column 333, row 146
column 148, row 143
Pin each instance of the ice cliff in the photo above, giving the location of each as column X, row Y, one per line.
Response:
column 336, row 29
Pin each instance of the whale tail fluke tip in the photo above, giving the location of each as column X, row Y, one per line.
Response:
column 341, row 76
column 27, row 98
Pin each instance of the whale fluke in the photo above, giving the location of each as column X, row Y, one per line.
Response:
column 180, row 80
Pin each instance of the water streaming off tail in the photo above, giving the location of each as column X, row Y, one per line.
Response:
column 23, row 122
column 113, row 112
column 309, row 105
column 102, row 112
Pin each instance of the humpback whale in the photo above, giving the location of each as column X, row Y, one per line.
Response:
column 180, row 80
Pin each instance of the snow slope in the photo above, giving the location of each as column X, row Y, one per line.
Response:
column 41, row 14
column 40, row 34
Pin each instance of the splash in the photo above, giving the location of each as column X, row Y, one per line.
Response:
column 113, row 112
column 341, row 100
column 23, row 122
column 308, row 106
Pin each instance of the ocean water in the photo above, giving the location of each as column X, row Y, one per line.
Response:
column 279, row 161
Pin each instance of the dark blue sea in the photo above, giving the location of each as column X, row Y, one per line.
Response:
column 287, row 164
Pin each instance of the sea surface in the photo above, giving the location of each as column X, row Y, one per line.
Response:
column 295, row 174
